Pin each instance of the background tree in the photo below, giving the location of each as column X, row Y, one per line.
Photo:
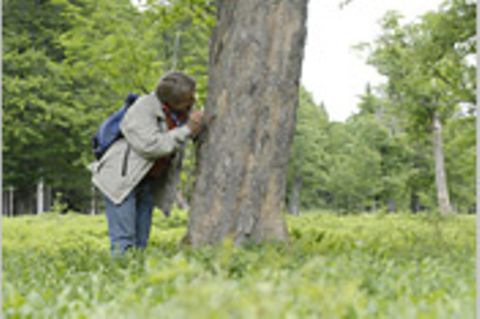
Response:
column 39, row 114
column 306, row 170
column 427, row 72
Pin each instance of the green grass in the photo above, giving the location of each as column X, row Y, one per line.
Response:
column 362, row 266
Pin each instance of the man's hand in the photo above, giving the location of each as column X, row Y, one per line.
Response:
column 195, row 122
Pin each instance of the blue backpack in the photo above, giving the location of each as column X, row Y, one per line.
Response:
column 109, row 131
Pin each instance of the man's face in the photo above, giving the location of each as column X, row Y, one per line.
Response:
column 186, row 105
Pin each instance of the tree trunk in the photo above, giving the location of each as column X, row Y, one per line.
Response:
column 11, row 201
column 294, row 202
column 440, row 176
column 255, row 63
column 5, row 203
column 180, row 200
column 48, row 198
column 392, row 206
column 10, row 198
column 414, row 202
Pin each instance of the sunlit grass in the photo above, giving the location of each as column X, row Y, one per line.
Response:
column 362, row 266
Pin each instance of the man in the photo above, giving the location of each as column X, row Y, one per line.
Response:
column 141, row 170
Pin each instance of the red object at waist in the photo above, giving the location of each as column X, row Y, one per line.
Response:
column 160, row 166
column 163, row 163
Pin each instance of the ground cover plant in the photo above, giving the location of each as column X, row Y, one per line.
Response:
column 356, row 266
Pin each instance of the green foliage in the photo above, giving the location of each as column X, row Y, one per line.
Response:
column 359, row 165
column 42, row 123
column 307, row 158
column 364, row 266
column 428, row 73
column 460, row 150
column 68, row 64
column 354, row 162
column 426, row 63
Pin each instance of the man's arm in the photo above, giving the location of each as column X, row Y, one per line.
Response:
column 140, row 128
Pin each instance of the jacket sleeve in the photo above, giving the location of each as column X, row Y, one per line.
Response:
column 143, row 133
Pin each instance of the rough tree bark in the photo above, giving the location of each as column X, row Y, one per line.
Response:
column 256, row 55
column 440, row 176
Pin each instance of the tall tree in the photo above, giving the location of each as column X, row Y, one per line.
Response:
column 306, row 169
column 38, row 107
column 255, row 64
column 428, row 76
column 378, row 125
column 460, row 149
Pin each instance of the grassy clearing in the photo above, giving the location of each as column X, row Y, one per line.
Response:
column 362, row 266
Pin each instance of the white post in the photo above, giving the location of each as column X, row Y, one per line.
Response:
column 40, row 202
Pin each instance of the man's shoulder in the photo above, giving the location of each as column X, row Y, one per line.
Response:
column 149, row 103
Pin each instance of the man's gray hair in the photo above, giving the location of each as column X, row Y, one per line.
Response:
column 174, row 87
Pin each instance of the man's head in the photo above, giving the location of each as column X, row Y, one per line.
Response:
column 177, row 91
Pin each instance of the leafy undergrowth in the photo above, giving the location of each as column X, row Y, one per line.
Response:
column 363, row 266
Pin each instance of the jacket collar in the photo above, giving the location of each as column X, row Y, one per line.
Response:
column 158, row 109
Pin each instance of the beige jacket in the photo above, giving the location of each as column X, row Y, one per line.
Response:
column 129, row 159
